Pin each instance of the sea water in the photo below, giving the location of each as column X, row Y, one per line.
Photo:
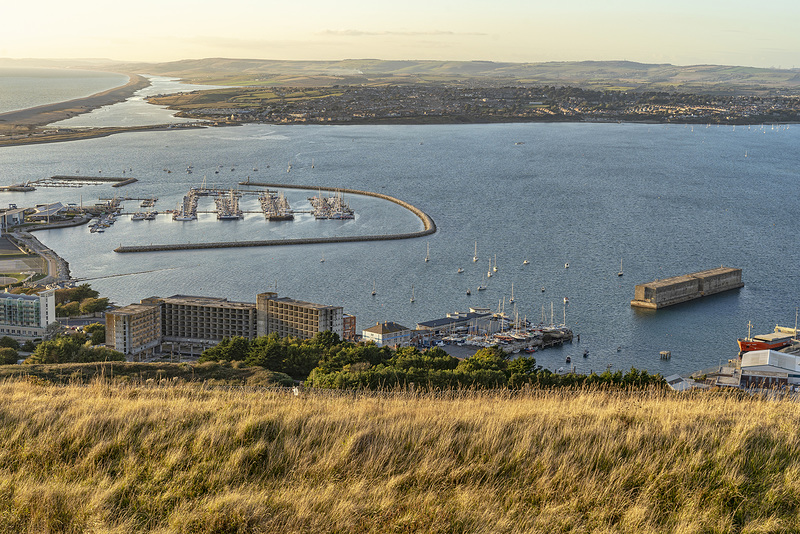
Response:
column 26, row 87
column 664, row 200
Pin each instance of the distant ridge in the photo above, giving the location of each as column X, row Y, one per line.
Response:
column 618, row 75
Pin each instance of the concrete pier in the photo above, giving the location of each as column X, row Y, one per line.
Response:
column 662, row 293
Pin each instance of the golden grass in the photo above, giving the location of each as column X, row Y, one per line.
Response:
column 110, row 458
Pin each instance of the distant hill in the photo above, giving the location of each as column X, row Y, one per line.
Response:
column 619, row 75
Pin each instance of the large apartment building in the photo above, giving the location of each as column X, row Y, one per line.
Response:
column 25, row 317
column 134, row 330
column 195, row 323
column 202, row 319
column 289, row 317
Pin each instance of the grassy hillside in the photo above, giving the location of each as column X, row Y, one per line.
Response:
column 186, row 459
column 622, row 75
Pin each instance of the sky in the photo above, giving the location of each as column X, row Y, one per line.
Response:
column 680, row 32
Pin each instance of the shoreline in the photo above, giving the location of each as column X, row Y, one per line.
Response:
column 29, row 119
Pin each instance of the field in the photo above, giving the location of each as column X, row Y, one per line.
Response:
column 189, row 458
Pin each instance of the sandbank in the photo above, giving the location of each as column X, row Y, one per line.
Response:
column 27, row 120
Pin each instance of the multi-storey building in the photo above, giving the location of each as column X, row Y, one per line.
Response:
column 203, row 319
column 349, row 327
column 134, row 330
column 26, row 316
column 289, row 317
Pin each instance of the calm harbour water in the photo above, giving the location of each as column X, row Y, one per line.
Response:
column 665, row 199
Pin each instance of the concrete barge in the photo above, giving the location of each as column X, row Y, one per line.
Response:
column 663, row 293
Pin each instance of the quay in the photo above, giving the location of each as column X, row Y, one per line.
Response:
column 662, row 293
column 429, row 227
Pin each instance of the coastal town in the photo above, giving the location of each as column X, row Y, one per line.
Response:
column 419, row 103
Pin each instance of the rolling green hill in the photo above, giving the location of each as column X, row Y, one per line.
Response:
column 625, row 75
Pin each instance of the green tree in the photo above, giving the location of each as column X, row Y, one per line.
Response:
column 8, row 356
column 97, row 333
column 71, row 349
column 69, row 309
column 9, row 342
column 492, row 359
column 93, row 305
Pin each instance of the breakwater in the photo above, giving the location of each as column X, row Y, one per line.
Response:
column 429, row 226
column 662, row 293
column 117, row 182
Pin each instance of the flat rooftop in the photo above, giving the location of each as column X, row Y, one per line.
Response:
column 304, row 304
column 188, row 300
column 689, row 277
column 132, row 309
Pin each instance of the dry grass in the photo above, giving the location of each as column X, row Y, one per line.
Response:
column 109, row 458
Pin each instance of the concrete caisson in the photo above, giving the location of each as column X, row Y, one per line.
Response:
column 662, row 293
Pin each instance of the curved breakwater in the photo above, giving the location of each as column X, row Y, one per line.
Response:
column 429, row 227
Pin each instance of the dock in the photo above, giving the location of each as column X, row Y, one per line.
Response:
column 670, row 291
column 428, row 224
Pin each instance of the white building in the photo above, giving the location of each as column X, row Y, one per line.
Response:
column 388, row 334
column 769, row 368
column 26, row 317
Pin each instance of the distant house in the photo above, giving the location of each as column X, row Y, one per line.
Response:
column 388, row 334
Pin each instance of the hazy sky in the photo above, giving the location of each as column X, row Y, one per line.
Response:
column 681, row 32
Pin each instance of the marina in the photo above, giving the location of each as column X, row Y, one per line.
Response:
column 534, row 205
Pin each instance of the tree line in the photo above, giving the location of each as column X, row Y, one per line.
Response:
column 327, row 362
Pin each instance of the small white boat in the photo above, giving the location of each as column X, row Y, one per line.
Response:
column 475, row 256
column 526, row 262
column 566, row 265
column 460, row 270
column 428, row 254
column 495, row 263
column 373, row 288
column 412, row 293
column 620, row 268
column 322, row 260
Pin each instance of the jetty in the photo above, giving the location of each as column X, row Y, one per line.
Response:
column 429, row 227
column 662, row 293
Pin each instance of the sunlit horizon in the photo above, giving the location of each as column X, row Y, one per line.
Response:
column 685, row 33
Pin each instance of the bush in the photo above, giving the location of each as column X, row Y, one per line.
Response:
column 8, row 356
column 9, row 342
column 71, row 349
